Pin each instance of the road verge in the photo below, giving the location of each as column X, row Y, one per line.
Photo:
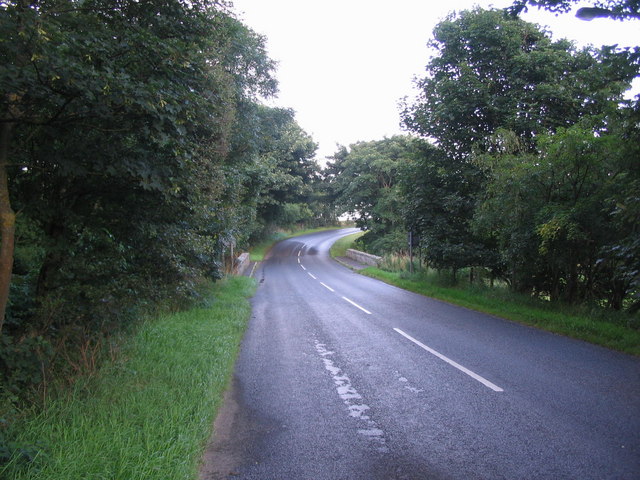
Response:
column 582, row 324
column 149, row 413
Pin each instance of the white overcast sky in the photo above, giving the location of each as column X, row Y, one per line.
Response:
column 343, row 65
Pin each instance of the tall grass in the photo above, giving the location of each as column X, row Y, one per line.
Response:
column 148, row 414
column 396, row 263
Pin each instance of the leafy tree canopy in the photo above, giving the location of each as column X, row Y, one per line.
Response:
column 492, row 71
column 616, row 9
column 495, row 73
column 133, row 147
column 364, row 181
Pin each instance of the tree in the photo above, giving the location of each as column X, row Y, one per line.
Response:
column 117, row 121
column 364, row 180
column 273, row 163
column 492, row 72
column 439, row 198
column 615, row 9
column 562, row 212
column 286, row 155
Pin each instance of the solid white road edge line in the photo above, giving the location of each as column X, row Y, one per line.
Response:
column 327, row 287
column 356, row 305
column 473, row 375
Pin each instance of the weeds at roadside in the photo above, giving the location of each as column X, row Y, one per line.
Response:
column 149, row 413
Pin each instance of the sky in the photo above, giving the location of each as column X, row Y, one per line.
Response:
column 344, row 65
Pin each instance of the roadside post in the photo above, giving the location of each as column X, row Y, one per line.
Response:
column 414, row 241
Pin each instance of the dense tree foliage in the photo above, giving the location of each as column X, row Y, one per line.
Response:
column 137, row 156
column 527, row 166
column 364, row 182
column 286, row 157
column 492, row 72
column 440, row 195
column 562, row 201
column 616, row 9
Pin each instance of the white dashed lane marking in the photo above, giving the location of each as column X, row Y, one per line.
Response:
column 473, row 375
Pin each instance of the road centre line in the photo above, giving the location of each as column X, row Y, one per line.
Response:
column 356, row 305
column 473, row 375
column 327, row 287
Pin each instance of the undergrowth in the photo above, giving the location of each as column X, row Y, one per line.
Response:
column 148, row 413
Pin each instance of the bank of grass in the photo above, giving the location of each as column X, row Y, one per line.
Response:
column 258, row 251
column 340, row 247
column 149, row 414
column 608, row 329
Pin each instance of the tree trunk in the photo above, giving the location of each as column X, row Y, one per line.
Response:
column 7, row 222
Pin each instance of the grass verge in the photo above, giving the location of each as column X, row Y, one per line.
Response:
column 340, row 247
column 149, row 414
column 564, row 320
column 559, row 319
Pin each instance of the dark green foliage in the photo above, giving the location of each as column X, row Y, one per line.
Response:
column 616, row 9
column 364, row 183
column 536, row 160
column 440, row 198
column 139, row 159
column 271, row 173
column 554, row 237
column 492, row 71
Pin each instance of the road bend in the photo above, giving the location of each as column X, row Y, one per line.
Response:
column 343, row 377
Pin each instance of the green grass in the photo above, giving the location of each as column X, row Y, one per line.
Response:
column 149, row 414
column 564, row 320
column 340, row 247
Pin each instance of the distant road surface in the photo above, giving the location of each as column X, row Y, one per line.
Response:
column 343, row 377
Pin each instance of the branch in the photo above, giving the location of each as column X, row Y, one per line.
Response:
column 589, row 13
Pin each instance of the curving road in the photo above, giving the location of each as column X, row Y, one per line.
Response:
column 344, row 377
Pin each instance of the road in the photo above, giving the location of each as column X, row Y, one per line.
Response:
column 344, row 377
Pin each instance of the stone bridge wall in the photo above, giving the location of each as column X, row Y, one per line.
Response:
column 242, row 262
column 362, row 257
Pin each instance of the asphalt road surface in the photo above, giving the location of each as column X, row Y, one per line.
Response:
column 344, row 377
